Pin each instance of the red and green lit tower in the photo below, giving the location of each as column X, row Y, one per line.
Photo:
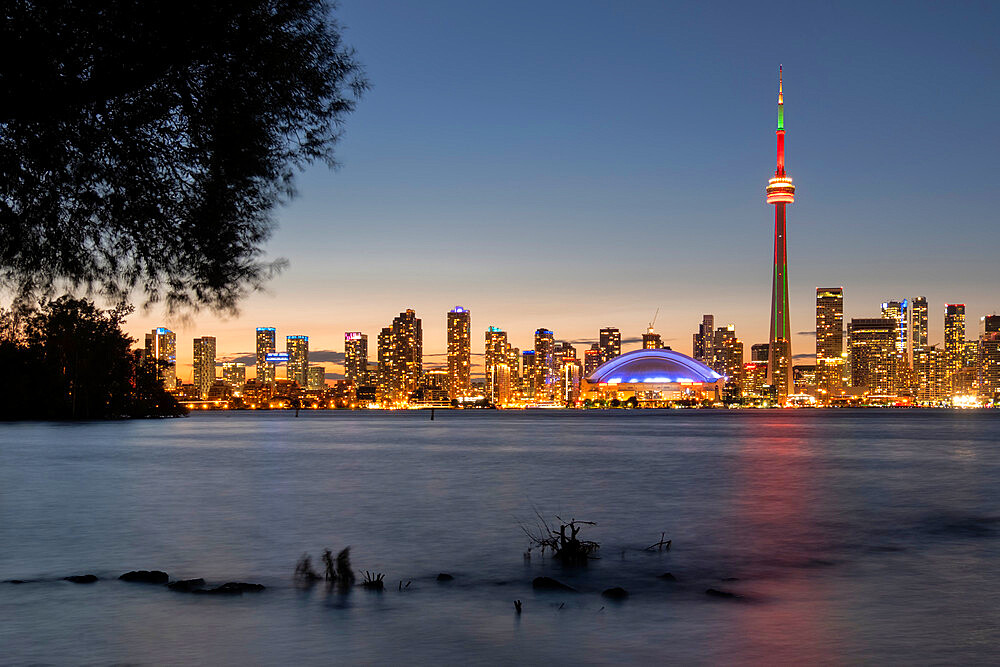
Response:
column 780, row 192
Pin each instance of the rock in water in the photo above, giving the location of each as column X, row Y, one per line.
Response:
column 666, row 576
column 186, row 585
column 444, row 576
column 550, row 584
column 81, row 578
column 231, row 588
column 721, row 594
column 616, row 593
column 146, row 576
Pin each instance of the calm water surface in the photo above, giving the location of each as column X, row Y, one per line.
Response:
column 868, row 536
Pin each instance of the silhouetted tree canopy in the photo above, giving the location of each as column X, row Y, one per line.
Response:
column 144, row 144
column 68, row 359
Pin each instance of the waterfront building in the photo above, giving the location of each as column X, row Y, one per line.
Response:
column 316, row 378
column 873, row 355
column 435, row 388
column 988, row 364
column 900, row 312
column 918, row 322
column 780, row 192
column 297, row 348
column 829, row 338
column 266, row 340
column 930, row 369
column 204, row 365
column 356, row 358
column 497, row 354
column 728, row 352
column 234, row 374
column 654, row 378
column 407, row 344
column 527, row 383
column 591, row 359
column 459, row 352
column 546, row 368
column 954, row 343
column 570, row 372
column 754, row 379
column 610, row 343
column 719, row 339
column 702, row 344
column 385, row 372
column 501, row 385
column 161, row 350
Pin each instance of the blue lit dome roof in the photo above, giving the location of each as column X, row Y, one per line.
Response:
column 653, row 366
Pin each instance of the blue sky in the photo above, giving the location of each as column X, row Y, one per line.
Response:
column 574, row 165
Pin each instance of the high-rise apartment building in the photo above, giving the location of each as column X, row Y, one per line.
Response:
column 610, row 343
column 316, row 378
column 204, row 364
column 591, row 359
column 988, row 363
column 407, row 344
column 266, row 373
column 719, row 338
column 161, row 350
column 651, row 340
column 918, row 322
column 546, row 365
column 874, row 355
column 459, row 353
column 702, row 346
column 759, row 352
column 930, row 367
column 234, row 374
column 497, row 354
column 356, row 358
column 829, row 338
column 297, row 348
column 729, row 358
column 527, row 384
column 954, row 342
column 383, row 385
column 900, row 312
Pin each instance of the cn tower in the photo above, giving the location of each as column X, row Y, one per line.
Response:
column 780, row 192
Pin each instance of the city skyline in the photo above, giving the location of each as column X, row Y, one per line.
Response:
column 658, row 187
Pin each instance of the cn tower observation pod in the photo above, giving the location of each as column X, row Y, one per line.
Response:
column 656, row 378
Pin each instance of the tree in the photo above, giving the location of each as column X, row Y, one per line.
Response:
column 68, row 359
column 144, row 145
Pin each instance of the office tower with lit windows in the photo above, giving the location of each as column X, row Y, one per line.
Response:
column 570, row 370
column 297, row 348
column 407, row 356
column 610, row 343
column 161, row 350
column 988, row 360
column 729, row 361
column 874, row 354
column 651, row 340
column 204, row 364
column 702, row 343
column 899, row 311
column 316, row 378
column 356, row 358
column 383, row 384
column 591, row 359
column 719, row 338
column 266, row 341
column 459, row 352
column 234, row 374
column 546, row 365
column 930, row 367
column 527, row 384
column 754, row 377
column 759, row 352
column 497, row 354
column 918, row 322
column 954, row 342
column 829, row 338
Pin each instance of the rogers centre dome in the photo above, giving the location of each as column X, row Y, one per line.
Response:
column 653, row 377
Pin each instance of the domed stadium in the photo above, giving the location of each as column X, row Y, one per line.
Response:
column 656, row 378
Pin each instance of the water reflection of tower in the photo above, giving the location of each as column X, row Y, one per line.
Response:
column 780, row 192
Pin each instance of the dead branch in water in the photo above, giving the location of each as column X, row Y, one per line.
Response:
column 564, row 543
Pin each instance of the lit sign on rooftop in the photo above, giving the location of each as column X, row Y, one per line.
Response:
column 352, row 335
column 276, row 357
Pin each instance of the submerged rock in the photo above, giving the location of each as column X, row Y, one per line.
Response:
column 616, row 593
column 231, row 588
column 146, row 576
column 186, row 585
column 444, row 576
column 550, row 584
column 81, row 578
column 17, row 581
column 722, row 594
column 666, row 576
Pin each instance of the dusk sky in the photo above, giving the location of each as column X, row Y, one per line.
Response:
column 575, row 165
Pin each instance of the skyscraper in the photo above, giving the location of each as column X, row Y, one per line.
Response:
column 497, row 354
column 702, row 345
column 651, row 340
column 780, row 192
column 204, row 364
column 356, row 358
column 383, row 385
column 988, row 363
column 954, row 342
column 234, row 374
column 829, row 337
column 546, row 366
column 297, row 348
column 459, row 353
column 407, row 355
column 918, row 321
column 161, row 349
column 873, row 354
column 610, row 343
column 265, row 345
column 316, row 378
column 930, row 365
column 899, row 311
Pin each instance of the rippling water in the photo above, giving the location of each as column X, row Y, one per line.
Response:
column 851, row 535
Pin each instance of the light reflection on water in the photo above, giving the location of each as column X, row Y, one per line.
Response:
column 852, row 535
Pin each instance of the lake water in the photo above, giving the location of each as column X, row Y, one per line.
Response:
column 852, row 536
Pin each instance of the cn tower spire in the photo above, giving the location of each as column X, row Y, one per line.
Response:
column 780, row 192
